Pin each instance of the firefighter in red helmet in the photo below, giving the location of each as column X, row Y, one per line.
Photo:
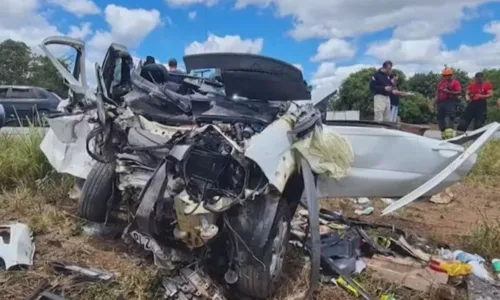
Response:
column 448, row 90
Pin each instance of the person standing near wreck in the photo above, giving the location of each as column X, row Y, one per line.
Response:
column 149, row 60
column 448, row 90
column 477, row 93
column 394, row 96
column 172, row 66
column 382, row 87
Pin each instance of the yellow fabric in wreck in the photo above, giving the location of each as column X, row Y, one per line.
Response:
column 327, row 153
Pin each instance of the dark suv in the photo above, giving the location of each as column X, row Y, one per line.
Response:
column 21, row 103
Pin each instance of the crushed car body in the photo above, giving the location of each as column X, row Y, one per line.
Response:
column 212, row 169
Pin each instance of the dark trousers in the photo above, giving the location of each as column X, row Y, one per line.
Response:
column 446, row 112
column 475, row 110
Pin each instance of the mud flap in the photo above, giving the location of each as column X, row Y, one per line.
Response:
column 482, row 134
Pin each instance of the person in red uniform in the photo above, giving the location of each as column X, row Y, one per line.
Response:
column 478, row 92
column 447, row 92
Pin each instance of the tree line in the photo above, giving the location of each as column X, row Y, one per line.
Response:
column 354, row 94
column 19, row 65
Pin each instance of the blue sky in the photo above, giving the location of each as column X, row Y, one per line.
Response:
column 328, row 38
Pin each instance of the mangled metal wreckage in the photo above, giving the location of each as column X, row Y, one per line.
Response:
column 216, row 167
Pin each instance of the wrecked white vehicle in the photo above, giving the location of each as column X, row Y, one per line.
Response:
column 221, row 173
column 204, row 186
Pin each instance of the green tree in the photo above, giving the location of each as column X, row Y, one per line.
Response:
column 424, row 84
column 415, row 109
column 355, row 94
column 44, row 74
column 15, row 58
column 19, row 66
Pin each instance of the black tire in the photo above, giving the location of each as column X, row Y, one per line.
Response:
column 255, row 281
column 97, row 192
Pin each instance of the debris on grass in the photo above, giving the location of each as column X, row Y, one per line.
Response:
column 16, row 245
column 444, row 197
column 483, row 238
column 48, row 211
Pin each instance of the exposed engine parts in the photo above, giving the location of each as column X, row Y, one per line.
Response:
column 191, row 285
column 194, row 195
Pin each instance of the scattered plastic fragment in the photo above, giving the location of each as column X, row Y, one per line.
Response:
column 387, row 201
column 44, row 292
column 476, row 261
column 340, row 282
column 444, row 197
column 453, row 269
column 360, row 266
column 496, row 266
column 364, row 212
column 363, row 200
column 415, row 252
column 90, row 273
column 16, row 245
column 446, row 254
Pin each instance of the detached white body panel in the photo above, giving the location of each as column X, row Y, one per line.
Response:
column 16, row 245
column 64, row 145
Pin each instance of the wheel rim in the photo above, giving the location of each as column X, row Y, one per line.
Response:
column 278, row 249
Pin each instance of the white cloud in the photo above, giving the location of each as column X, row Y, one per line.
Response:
column 191, row 2
column 334, row 48
column 431, row 54
column 78, row 7
column 228, row 43
column 347, row 18
column 81, row 32
column 414, row 56
column 493, row 28
column 127, row 26
column 299, row 66
column 406, row 51
column 15, row 9
column 131, row 26
column 328, row 77
column 192, row 15
column 21, row 21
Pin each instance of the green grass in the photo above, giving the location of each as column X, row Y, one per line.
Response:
column 487, row 169
column 21, row 160
column 484, row 238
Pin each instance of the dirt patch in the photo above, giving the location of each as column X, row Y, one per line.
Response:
column 59, row 238
column 443, row 222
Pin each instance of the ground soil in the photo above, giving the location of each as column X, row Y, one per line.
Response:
column 59, row 238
